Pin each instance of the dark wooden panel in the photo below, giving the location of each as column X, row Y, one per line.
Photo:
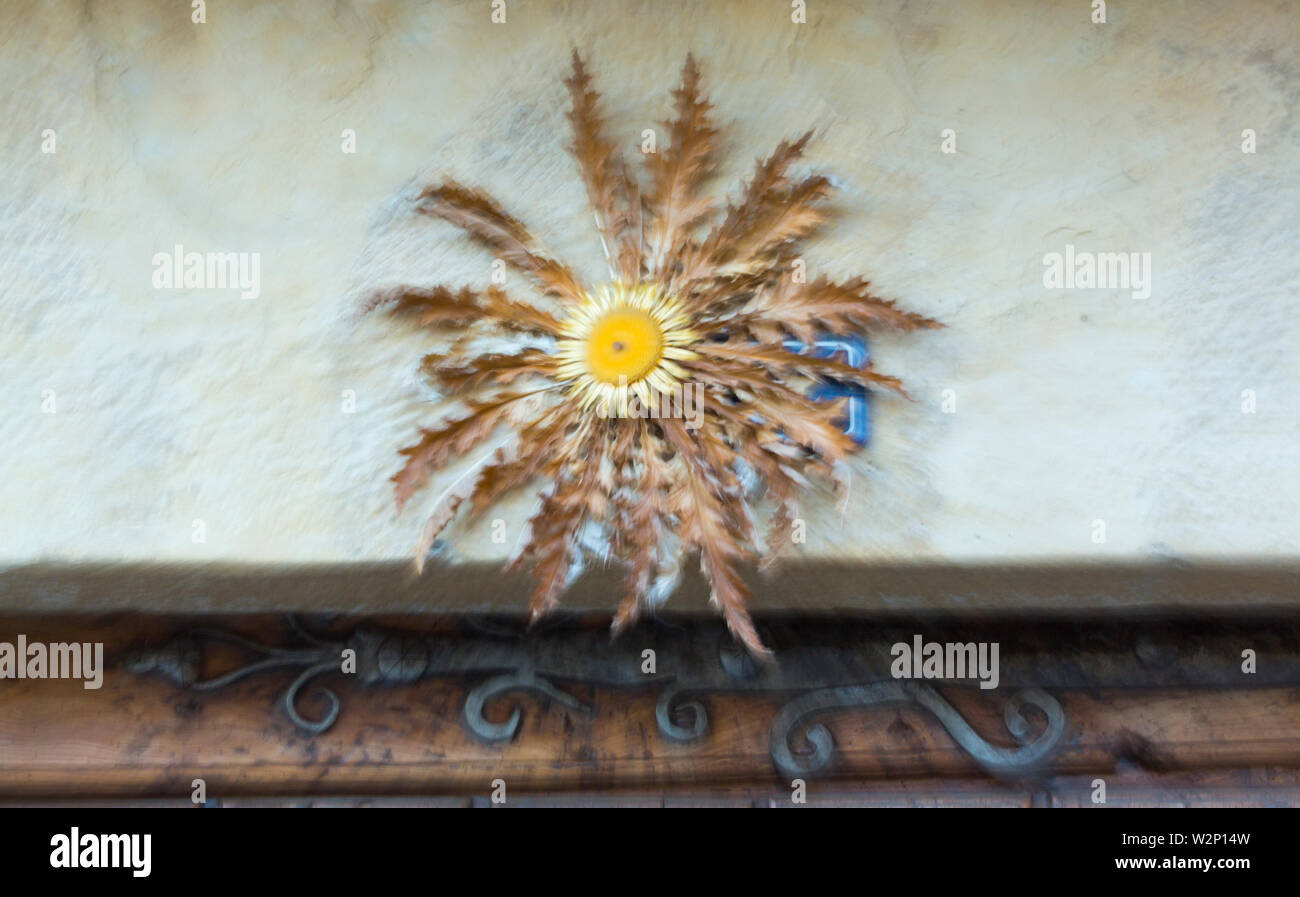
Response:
column 141, row 736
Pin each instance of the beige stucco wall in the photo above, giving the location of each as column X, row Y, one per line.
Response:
column 176, row 406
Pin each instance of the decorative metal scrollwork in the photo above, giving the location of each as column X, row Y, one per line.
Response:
column 504, row 684
column 701, row 658
column 180, row 660
column 670, row 704
column 997, row 760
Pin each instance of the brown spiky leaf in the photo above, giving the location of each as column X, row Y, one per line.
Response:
column 782, row 361
column 614, row 197
column 480, row 216
column 764, row 191
column 554, row 537
column 803, row 309
column 639, row 510
column 780, row 220
column 456, row 373
column 532, row 454
column 431, row 306
column 523, row 317
column 679, row 170
column 630, row 265
column 730, row 593
column 705, row 527
column 454, row 437
column 444, row 510
column 714, row 518
column 553, row 541
column 440, row 306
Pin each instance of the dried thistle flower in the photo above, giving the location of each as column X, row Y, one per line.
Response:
column 683, row 309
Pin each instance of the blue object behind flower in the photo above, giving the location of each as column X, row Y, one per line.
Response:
column 851, row 350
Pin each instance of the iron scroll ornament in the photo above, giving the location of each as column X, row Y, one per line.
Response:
column 693, row 660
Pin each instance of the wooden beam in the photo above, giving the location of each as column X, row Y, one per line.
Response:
column 141, row 736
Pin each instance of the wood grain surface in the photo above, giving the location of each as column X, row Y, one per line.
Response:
column 140, row 737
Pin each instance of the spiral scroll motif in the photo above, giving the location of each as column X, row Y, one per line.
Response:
column 998, row 760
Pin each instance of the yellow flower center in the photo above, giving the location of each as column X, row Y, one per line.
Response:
column 625, row 343
column 625, row 340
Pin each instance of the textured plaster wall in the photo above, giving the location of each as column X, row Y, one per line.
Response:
column 1071, row 406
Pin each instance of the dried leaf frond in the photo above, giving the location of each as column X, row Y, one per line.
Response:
column 440, row 306
column 454, row 372
column 803, row 309
column 454, row 438
column 614, row 197
column 480, row 216
column 679, row 171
